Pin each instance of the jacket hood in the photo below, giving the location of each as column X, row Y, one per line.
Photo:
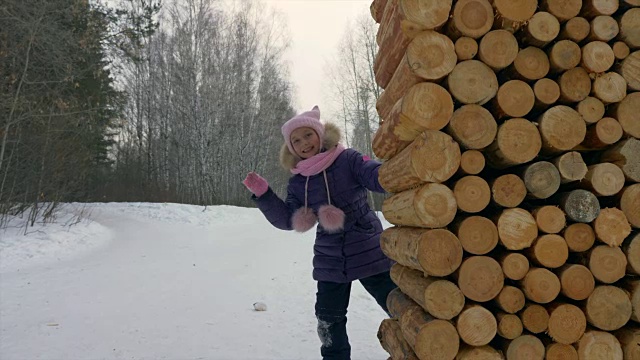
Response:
column 331, row 138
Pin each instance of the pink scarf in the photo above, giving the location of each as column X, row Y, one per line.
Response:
column 318, row 163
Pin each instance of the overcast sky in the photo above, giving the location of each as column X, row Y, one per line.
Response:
column 316, row 28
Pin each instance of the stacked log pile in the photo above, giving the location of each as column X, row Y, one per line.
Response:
column 510, row 139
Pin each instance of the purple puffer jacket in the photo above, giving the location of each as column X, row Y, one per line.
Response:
column 355, row 252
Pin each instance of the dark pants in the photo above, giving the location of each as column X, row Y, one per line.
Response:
column 332, row 300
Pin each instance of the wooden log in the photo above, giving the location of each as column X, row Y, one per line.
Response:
column 410, row 18
column 511, row 15
column 593, row 8
column 630, row 70
column 510, row 299
column 575, row 29
column 632, row 287
column 564, row 55
column 563, row 10
column 627, row 114
column 478, row 353
column 498, row 49
column 576, row 281
column 561, row 128
column 540, row 30
column 478, row 235
column 471, row 162
column 575, row 85
column 542, row 179
column 514, row 265
column 472, row 193
column 624, row 155
column 530, row 64
column 441, row 298
column 626, row 4
column 467, row 48
column 579, row 237
column 393, row 342
column 604, row 179
column 435, row 252
column 605, row 132
column 432, row 157
column 472, row 82
column 603, row 28
column 525, row 347
column 470, row 18
column 425, row 106
column 597, row 57
column 377, row 9
column 472, row 126
column 556, row 351
column 629, row 25
column 517, row 229
column 540, row 285
column 389, row 10
column 509, row 325
column 620, row 50
column 399, row 303
column 608, row 308
column 518, row 141
column 580, row 205
column 430, row 56
column 629, row 338
column 480, row 278
column 547, row 92
column 607, row 264
column 549, row 218
column 508, row 190
column 609, row 87
column 611, row 226
column 567, row 323
column 476, row 325
column 430, row 206
column 515, row 98
column 549, row 250
column 599, row 345
column 591, row 109
column 535, row 318
column 631, row 248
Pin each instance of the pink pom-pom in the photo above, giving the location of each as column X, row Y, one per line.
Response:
column 303, row 219
column 331, row 218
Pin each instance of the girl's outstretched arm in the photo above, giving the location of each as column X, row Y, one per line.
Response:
column 365, row 170
column 275, row 210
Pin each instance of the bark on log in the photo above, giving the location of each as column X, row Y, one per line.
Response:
column 480, row 278
column 579, row 237
column 607, row 264
column 603, row 28
column 627, row 114
column 563, row 10
column 377, row 9
column 542, row 179
column 472, row 193
column 399, row 303
column 508, row 190
column 608, row 308
column 599, row 345
column 556, row 351
column 629, row 25
column 547, row 92
column 511, row 15
column 604, row 179
column 576, row 29
column 611, row 226
column 441, row 298
column 478, row 353
column 564, row 55
column 597, row 57
column 509, row 325
column 472, row 126
column 425, row 106
column 609, row 87
column 471, row 162
column 632, row 287
column 630, row 69
column 631, row 248
column 478, row 235
column 576, row 281
column 561, row 129
column 472, row 82
column 629, row 338
column 625, row 156
column 518, row 141
column 515, row 98
column 530, row 64
column 593, row 8
column 567, row 323
column 621, row 50
column 575, row 85
column 607, row 131
column 476, row 325
column 580, row 205
column 430, row 206
column 540, row 285
column 525, row 347
column 549, row 250
column 540, row 30
column 591, row 109
column 517, row 229
column 435, row 252
column 514, row 266
column 498, row 49
column 467, row 48
column 389, row 9
column 393, row 342
column 535, row 318
column 470, row 18
column 510, row 299
column 549, row 218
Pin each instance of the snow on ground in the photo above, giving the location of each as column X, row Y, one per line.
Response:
column 165, row 281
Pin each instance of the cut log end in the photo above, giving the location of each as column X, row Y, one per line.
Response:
column 509, row 190
column 599, row 345
column 480, row 278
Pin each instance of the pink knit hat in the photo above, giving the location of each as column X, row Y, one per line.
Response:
column 310, row 119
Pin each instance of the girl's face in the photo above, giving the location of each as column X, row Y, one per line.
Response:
column 305, row 142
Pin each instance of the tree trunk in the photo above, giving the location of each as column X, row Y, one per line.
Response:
column 567, row 323
column 478, row 235
column 608, row 308
column 580, row 205
column 480, row 278
column 471, row 162
column 625, row 156
column 472, row 82
column 515, row 98
column 517, row 228
column 576, row 281
column 599, row 345
column 579, row 237
column 508, row 190
column 472, row 126
column 540, row 30
column 542, row 179
column 611, row 226
column 549, row 250
column 476, row 325
column 430, row 206
column 514, row 265
column 549, row 218
column 498, row 49
column 518, row 141
column 472, row 193
column 540, row 285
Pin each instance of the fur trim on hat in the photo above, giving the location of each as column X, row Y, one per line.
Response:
column 332, row 136
column 303, row 219
column 331, row 218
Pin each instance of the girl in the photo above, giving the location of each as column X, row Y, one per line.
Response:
column 329, row 186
